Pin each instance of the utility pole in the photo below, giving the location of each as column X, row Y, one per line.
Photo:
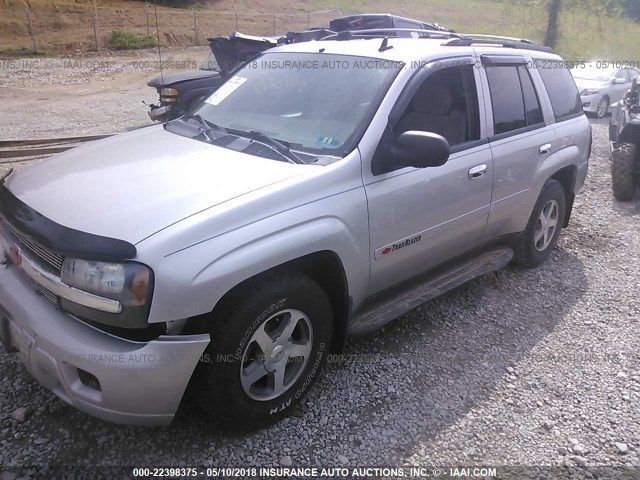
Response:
column 96, row 26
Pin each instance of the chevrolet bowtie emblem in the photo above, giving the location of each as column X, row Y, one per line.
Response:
column 14, row 255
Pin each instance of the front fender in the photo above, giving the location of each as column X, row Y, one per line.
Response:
column 262, row 254
column 191, row 281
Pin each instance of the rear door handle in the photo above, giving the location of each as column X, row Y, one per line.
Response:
column 477, row 171
column 546, row 148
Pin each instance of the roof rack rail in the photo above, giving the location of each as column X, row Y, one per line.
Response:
column 455, row 39
column 467, row 40
column 381, row 32
column 499, row 37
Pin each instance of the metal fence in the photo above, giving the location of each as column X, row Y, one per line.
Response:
column 89, row 29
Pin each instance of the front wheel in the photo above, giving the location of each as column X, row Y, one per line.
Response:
column 622, row 171
column 603, row 107
column 269, row 342
column 543, row 229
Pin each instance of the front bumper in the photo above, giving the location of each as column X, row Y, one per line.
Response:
column 159, row 113
column 140, row 383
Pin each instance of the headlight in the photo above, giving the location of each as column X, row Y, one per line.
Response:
column 168, row 95
column 130, row 283
column 589, row 91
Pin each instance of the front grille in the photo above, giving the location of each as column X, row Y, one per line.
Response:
column 46, row 259
column 46, row 293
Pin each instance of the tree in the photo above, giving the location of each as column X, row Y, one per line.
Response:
column 551, row 36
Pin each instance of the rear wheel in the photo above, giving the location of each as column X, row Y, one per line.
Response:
column 622, row 171
column 269, row 342
column 544, row 226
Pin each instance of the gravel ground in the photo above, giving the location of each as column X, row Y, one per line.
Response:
column 95, row 94
column 537, row 367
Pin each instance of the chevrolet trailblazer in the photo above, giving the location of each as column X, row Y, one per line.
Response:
column 233, row 249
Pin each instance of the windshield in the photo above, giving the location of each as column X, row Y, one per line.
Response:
column 594, row 74
column 314, row 103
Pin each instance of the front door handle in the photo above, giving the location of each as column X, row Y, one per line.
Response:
column 546, row 148
column 477, row 172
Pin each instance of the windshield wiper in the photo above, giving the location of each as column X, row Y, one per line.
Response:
column 206, row 127
column 265, row 139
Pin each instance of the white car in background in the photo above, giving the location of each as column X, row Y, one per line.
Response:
column 602, row 85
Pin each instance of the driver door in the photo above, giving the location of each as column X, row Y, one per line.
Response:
column 420, row 218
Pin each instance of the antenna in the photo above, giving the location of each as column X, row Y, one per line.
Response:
column 155, row 7
column 385, row 45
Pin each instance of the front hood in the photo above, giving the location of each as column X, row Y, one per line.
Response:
column 172, row 78
column 237, row 48
column 583, row 84
column 132, row 185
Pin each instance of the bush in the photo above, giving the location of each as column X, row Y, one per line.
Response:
column 126, row 40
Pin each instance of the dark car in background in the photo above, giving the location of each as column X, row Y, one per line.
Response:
column 181, row 91
column 377, row 21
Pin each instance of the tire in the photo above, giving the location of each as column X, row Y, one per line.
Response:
column 603, row 107
column 245, row 340
column 532, row 249
column 622, row 171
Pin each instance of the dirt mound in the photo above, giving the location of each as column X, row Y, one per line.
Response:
column 59, row 26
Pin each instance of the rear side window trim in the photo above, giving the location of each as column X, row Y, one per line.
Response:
column 522, row 68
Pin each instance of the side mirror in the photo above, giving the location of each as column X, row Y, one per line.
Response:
column 619, row 81
column 420, row 150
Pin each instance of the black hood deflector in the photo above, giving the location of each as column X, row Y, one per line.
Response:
column 57, row 238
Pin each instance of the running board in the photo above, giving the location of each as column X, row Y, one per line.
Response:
column 384, row 307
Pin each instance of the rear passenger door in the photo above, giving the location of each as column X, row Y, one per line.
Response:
column 521, row 139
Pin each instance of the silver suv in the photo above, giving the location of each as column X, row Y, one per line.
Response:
column 325, row 189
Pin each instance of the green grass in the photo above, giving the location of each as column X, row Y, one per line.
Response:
column 583, row 34
column 127, row 40
column 24, row 53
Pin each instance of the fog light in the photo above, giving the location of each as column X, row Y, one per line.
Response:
column 89, row 380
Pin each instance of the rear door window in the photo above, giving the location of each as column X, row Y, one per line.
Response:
column 506, row 99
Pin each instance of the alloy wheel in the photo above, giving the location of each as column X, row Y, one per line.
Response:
column 276, row 355
column 546, row 225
